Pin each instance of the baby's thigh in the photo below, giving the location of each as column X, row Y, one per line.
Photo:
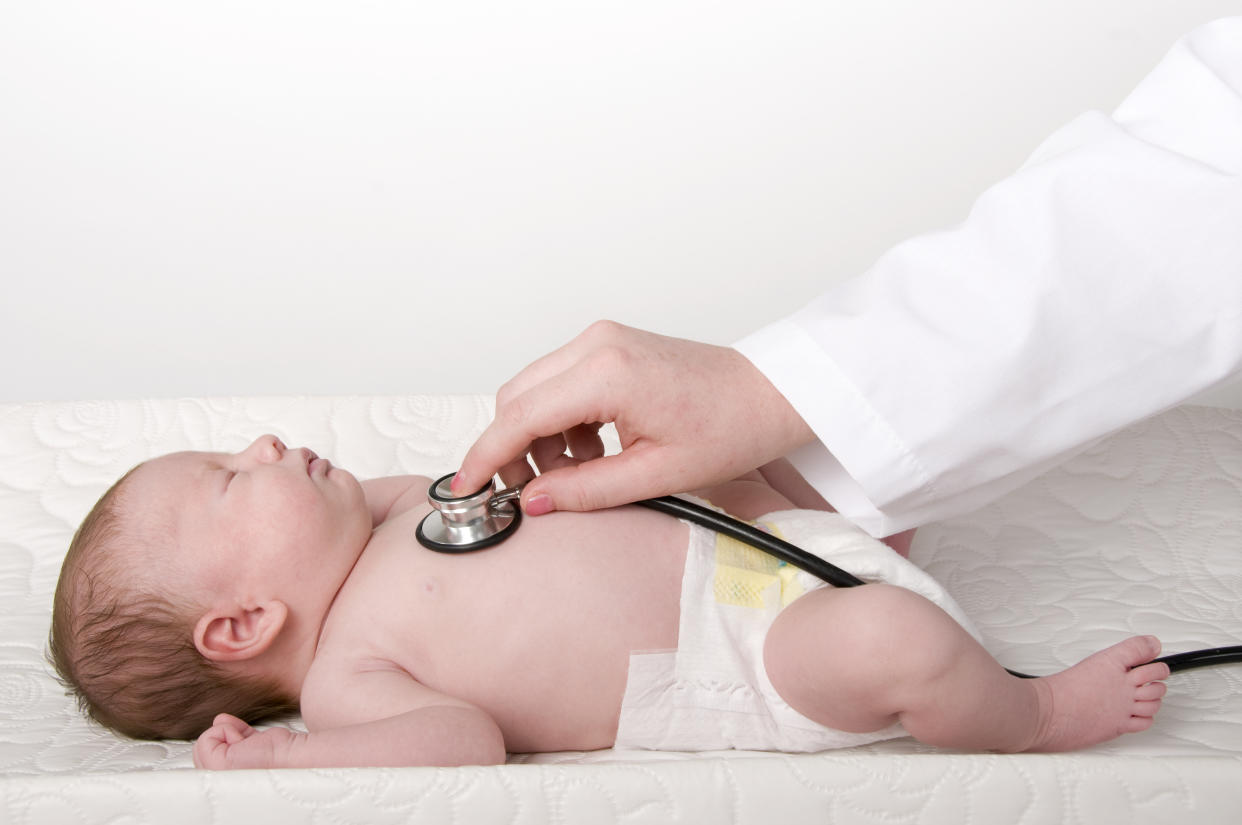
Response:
column 844, row 657
column 747, row 497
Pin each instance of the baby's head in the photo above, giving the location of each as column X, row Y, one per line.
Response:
column 198, row 585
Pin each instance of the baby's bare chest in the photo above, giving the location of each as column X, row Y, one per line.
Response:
column 567, row 592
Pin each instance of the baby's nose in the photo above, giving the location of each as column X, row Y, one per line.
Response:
column 267, row 448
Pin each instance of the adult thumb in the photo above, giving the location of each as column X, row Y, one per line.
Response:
column 593, row 485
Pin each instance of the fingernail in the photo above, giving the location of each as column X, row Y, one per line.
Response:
column 539, row 505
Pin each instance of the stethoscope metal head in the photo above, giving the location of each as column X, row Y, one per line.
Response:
column 460, row 524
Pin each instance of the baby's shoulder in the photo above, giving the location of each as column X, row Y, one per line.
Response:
column 390, row 496
column 338, row 688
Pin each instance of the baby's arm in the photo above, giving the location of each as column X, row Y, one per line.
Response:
column 389, row 496
column 430, row 729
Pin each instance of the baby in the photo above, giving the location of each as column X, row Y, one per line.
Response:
column 268, row 581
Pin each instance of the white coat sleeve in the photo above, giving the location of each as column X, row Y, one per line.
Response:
column 1098, row 285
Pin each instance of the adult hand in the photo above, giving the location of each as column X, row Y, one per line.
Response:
column 688, row 414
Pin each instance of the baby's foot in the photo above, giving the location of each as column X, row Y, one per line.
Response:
column 1107, row 694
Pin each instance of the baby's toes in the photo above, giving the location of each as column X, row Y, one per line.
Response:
column 1137, row 650
column 1145, row 710
column 1151, row 672
column 1136, row 724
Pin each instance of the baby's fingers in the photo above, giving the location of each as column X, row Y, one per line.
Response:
column 233, row 730
column 211, row 749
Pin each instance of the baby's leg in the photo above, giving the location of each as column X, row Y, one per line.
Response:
column 862, row 658
column 746, row 497
column 901, row 542
column 784, row 478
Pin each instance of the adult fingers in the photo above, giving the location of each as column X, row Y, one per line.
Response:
column 604, row 482
column 584, row 442
column 560, row 403
column 578, row 444
column 512, row 474
column 644, row 469
column 559, row 360
column 550, row 452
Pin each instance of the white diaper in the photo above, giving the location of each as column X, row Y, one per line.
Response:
column 713, row 693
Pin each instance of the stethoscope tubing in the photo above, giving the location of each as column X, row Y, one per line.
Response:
column 743, row 532
column 835, row 576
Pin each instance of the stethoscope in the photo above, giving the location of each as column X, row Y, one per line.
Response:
column 463, row 524
column 486, row 517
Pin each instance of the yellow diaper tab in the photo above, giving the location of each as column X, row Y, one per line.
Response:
column 747, row 577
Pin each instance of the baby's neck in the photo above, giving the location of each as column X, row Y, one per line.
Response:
column 289, row 658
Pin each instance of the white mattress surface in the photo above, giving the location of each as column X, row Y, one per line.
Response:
column 1140, row 534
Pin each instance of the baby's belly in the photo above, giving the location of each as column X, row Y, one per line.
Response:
column 538, row 631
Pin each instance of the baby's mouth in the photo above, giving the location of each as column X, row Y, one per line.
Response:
column 310, row 456
column 317, row 466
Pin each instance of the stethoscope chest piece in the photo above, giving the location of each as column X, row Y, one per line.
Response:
column 460, row 524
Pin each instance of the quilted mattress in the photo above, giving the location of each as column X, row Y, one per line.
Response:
column 1141, row 533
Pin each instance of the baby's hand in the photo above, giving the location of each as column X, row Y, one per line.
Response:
column 231, row 743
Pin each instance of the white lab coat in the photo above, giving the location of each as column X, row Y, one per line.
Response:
column 1098, row 285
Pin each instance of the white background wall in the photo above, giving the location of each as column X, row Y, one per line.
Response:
column 322, row 196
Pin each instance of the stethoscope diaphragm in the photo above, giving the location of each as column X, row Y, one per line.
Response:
column 461, row 524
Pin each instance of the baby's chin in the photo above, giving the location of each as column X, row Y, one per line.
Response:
column 351, row 483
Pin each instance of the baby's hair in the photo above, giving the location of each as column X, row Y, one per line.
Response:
column 128, row 655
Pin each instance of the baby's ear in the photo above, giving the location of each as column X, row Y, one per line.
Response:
column 239, row 633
